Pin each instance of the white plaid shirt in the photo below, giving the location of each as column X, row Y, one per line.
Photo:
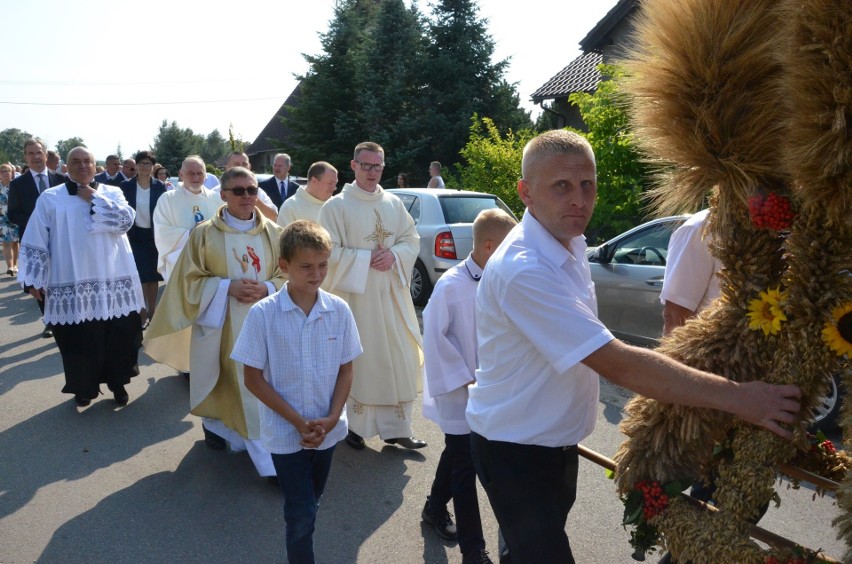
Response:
column 300, row 357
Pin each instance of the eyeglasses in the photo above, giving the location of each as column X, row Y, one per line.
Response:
column 144, row 163
column 240, row 191
column 368, row 167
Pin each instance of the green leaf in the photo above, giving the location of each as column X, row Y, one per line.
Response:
column 632, row 507
column 609, row 474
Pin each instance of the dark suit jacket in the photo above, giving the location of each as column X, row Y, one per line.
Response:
column 271, row 187
column 103, row 178
column 22, row 197
column 158, row 188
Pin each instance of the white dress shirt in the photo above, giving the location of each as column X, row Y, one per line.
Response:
column 536, row 319
column 449, row 346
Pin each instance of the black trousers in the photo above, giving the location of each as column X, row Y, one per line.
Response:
column 455, row 479
column 531, row 489
column 99, row 351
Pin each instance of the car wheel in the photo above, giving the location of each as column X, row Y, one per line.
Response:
column 421, row 286
column 827, row 411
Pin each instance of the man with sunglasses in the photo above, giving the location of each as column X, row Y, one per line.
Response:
column 374, row 246
column 228, row 264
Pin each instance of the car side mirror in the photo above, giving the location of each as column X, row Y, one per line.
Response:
column 602, row 255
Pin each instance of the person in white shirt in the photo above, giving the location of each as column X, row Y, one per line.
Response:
column 76, row 257
column 542, row 347
column 178, row 211
column 691, row 280
column 435, row 172
column 297, row 348
column 449, row 346
column 308, row 200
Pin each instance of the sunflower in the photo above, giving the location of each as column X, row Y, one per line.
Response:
column 765, row 311
column 837, row 333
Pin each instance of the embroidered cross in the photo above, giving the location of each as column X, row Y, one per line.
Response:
column 379, row 233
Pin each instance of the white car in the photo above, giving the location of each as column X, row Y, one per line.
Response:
column 444, row 219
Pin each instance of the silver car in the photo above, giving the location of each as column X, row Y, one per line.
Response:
column 628, row 274
column 444, row 220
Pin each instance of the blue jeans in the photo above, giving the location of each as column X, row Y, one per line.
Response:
column 302, row 476
column 531, row 489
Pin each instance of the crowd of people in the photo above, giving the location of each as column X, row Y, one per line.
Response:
column 287, row 308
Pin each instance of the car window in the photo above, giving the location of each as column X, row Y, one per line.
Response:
column 649, row 246
column 464, row 209
column 412, row 205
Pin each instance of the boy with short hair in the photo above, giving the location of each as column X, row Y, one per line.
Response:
column 297, row 346
column 449, row 344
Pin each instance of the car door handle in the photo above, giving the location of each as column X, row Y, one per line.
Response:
column 655, row 282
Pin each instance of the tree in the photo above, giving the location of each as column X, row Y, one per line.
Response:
column 327, row 123
column 213, row 147
column 64, row 146
column 622, row 174
column 172, row 144
column 492, row 162
column 463, row 81
column 12, row 145
column 388, row 75
column 395, row 108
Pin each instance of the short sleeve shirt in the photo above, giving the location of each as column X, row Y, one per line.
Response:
column 300, row 356
column 690, row 279
column 536, row 320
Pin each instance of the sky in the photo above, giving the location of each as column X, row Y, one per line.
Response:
column 110, row 72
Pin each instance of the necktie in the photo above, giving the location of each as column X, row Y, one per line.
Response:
column 42, row 185
column 283, row 190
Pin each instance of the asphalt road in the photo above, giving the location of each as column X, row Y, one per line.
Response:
column 137, row 484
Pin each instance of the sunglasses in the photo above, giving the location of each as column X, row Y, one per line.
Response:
column 240, row 191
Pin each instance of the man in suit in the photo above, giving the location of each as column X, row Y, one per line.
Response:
column 24, row 190
column 280, row 187
column 128, row 170
column 111, row 175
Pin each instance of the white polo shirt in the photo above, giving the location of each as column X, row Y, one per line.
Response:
column 300, row 356
column 536, row 319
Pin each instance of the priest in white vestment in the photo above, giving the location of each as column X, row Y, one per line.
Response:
column 75, row 256
column 229, row 263
column 179, row 210
column 308, row 200
column 374, row 247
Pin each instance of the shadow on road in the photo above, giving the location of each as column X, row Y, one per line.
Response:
column 214, row 508
column 66, row 444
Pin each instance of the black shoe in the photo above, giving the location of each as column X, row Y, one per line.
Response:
column 273, row 480
column 407, row 442
column 442, row 523
column 120, row 396
column 81, row 401
column 477, row 557
column 47, row 333
column 355, row 440
column 213, row 440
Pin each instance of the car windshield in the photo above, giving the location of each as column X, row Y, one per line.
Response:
column 464, row 209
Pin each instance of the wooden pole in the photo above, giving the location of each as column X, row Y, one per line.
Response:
column 754, row 531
